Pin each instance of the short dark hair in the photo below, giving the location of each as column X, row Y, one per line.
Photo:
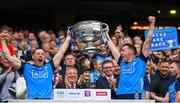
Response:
column 35, row 50
column 163, row 61
column 85, row 69
column 132, row 47
column 5, row 27
column 177, row 63
column 107, row 61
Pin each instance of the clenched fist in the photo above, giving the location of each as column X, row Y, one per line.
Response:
column 151, row 19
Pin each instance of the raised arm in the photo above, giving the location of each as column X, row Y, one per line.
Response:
column 116, row 54
column 16, row 63
column 57, row 58
column 146, row 45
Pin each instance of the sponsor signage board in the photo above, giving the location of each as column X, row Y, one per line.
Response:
column 82, row 94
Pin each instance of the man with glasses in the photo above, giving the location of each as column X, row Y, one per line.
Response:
column 107, row 81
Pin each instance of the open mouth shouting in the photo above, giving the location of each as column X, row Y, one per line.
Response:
column 39, row 61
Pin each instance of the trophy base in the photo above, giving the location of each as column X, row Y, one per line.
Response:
column 90, row 51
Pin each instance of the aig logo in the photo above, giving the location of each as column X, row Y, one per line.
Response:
column 40, row 74
column 129, row 68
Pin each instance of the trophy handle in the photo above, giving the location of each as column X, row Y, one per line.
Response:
column 106, row 27
column 73, row 36
column 71, row 30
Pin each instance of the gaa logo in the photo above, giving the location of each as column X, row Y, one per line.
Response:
column 60, row 93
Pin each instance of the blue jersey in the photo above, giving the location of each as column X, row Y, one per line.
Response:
column 94, row 77
column 131, row 75
column 177, row 85
column 172, row 92
column 102, row 58
column 38, row 80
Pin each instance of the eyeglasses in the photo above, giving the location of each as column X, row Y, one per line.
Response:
column 108, row 67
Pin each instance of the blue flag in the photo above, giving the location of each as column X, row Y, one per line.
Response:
column 163, row 39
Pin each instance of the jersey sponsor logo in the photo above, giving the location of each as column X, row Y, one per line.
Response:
column 40, row 74
column 128, row 68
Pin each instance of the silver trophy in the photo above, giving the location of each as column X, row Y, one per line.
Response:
column 171, row 43
column 88, row 32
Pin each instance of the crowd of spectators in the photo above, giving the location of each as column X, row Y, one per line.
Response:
column 123, row 64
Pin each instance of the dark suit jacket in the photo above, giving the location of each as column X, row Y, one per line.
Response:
column 102, row 83
column 64, row 86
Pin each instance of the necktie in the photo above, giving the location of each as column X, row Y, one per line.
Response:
column 72, row 86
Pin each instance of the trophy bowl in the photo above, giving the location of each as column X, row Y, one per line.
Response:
column 88, row 32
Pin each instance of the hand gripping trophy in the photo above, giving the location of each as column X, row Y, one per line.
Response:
column 88, row 32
